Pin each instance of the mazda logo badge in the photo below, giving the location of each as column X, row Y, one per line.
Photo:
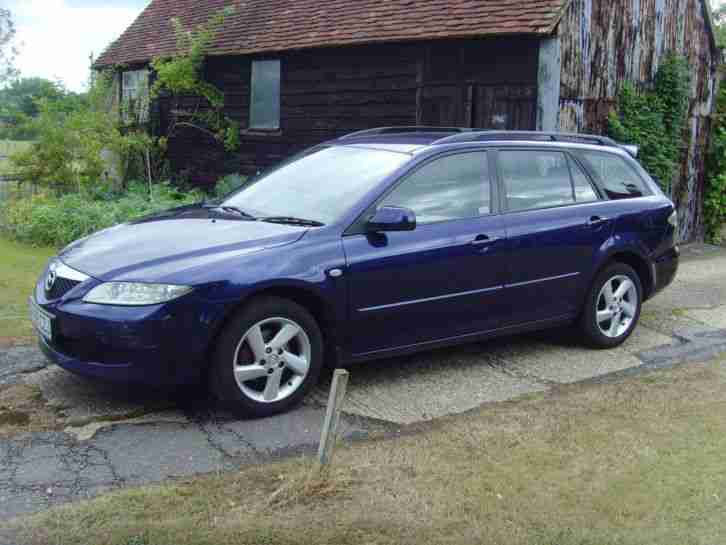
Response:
column 50, row 278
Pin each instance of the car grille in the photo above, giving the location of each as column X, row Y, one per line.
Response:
column 60, row 287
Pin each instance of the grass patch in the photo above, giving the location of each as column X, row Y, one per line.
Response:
column 20, row 267
column 631, row 463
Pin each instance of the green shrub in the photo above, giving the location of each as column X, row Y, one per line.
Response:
column 48, row 220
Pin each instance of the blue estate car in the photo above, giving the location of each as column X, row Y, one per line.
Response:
column 379, row 243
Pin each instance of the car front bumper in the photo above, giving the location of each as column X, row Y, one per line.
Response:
column 159, row 345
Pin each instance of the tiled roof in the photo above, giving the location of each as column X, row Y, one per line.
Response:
column 277, row 25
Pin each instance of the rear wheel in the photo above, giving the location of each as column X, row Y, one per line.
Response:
column 612, row 308
column 267, row 358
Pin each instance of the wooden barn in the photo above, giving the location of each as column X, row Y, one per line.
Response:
column 298, row 72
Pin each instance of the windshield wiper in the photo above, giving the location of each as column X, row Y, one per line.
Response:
column 293, row 221
column 232, row 209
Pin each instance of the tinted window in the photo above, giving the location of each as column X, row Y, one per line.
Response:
column 584, row 191
column 453, row 187
column 535, row 179
column 320, row 185
column 265, row 96
column 618, row 179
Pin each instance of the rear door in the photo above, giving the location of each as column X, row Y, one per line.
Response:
column 442, row 280
column 556, row 221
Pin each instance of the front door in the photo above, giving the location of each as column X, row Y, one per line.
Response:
column 442, row 280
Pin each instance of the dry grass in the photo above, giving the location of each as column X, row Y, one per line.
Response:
column 637, row 462
column 22, row 410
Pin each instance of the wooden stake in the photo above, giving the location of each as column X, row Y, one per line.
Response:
column 329, row 435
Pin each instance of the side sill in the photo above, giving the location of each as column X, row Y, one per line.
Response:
column 461, row 339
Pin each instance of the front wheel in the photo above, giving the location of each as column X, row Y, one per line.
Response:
column 612, row 308
column 267, row 358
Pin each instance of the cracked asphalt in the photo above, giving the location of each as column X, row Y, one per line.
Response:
column 100, row 438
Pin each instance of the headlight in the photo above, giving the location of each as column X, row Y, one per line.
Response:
column 134, row 294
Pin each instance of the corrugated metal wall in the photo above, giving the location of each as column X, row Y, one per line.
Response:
column 607, row 42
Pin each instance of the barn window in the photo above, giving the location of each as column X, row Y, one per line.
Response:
column 265, row 96
column 135, row 96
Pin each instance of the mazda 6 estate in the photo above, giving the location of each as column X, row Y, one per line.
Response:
column 379, row 243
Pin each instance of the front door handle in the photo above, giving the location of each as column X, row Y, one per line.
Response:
column 484, row 240
column 596, row 220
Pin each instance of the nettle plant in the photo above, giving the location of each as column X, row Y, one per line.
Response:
column 654, row 119
column 180, row 79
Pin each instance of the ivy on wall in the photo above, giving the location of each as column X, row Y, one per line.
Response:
column 714, row 205
column 654, row 119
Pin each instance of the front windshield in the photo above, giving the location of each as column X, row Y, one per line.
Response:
column 320, row 186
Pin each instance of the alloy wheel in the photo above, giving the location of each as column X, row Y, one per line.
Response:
column 617, row 306
column 272, row 360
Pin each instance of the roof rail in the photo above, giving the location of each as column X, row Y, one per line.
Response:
column 484, row 135
column 406, row 130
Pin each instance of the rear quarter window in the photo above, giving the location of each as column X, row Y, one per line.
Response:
column 616, row 177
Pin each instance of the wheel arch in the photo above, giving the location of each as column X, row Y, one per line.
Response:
column 305, row 296
column 639, row 263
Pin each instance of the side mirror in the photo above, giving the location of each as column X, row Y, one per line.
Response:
column 392, row 218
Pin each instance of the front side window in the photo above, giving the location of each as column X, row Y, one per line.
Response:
column 618, row 179
column 320, row 185
column 135, row 96
column 453, row 187
column 265, row 95
column 535, row 179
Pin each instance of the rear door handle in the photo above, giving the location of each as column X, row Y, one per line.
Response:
column 597, row 220
column 484, row 240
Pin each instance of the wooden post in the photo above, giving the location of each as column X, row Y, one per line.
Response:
column 329, row 434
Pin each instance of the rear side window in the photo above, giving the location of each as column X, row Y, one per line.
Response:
column 584, row 191
column 450, row 188
column 535, row 179
column 616, row 176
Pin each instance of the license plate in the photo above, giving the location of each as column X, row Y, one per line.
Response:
column 42, row 320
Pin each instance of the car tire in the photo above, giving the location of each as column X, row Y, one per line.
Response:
column 612, row 308
column 270, row 340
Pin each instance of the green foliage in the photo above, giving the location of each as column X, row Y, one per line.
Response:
column 714, row 205
column 654, row 119
column 719, row 25
column 20, row 102
column 77, row 141
column 182, row 76
column 228, row 184
column 49, row 220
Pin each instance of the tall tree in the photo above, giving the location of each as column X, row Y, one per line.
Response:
column 8, row 49
column 20, row 96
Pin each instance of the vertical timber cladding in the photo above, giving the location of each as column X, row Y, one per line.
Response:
column 607, row 42
column 489, row 83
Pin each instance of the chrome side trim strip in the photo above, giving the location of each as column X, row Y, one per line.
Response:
column 560, row 277
column 429, row 299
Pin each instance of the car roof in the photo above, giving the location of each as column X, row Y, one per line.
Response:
column 413, row 139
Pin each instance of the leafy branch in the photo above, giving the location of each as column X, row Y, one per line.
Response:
column 181, row 76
